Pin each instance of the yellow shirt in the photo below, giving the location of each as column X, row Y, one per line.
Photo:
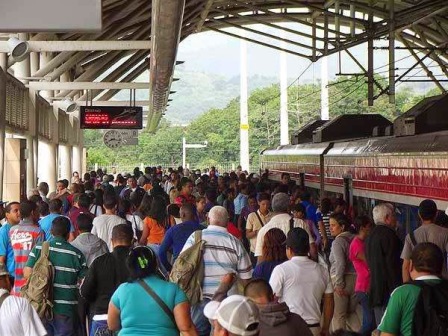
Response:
column 253, row 223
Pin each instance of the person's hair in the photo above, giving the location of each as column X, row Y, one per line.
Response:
column 340, row 202
column 86, row 177
column 200, row 198
column 274, row 245
column 145, row 205
column 174, row 210
column 427, row 257
column 188, row 209
column 280, row 202
column 427, row 210
column 136, row 198
column 362, row 222
column 99, row 197
column 8, row 207
column 64, row 183
column 55, row 205
column 441, row 219
column 75, row 188
column 60, row 227
column 381, row 211
column 88, row 185
column 218, row 215
column 325, row 205
column 263, row 197
column 158, row 210
column 305, row 196
column 123, row 233
column 35, row 198
column 342, row 332
column 83, row 201
column 342, row 220
column 299, row 208
column 43, row 208
column 258, row 288
column 211, row 195
column 141, row 263
column 85, row 223
column 43, row 186
column 124, row 206
column 283, row 175
column 26, row 208
column 110, row 202
column 183, row 182
column 120, row 179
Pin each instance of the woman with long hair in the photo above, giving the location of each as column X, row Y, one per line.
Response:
column 145, row 206
column 154, row 224
column 343, row 274
column 96, row 208
column 274, row 253
column 147, row 304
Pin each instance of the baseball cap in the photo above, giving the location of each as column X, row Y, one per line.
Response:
column 3, row 270
column 237, row 314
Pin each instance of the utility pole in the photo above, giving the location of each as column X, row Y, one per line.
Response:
column 244, row 113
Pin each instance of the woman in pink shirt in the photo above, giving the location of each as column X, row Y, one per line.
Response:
column 363, row 225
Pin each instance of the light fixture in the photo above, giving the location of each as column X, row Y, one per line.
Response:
column 18, row 49
column 68, row 105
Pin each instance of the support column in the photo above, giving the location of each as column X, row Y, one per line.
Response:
column 325, row 109
column 2, row 127
column 244, row 113
column 47, row 164
column 65, row 156
column 391, row 52
column 4, row 61
column 370, row 62
column 284, row 120
column 77, row 159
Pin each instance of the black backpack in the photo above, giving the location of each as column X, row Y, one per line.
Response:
column 431, row 309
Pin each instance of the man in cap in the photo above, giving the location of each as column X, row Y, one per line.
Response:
column 17, row 316
column 302, row 284
column 235, row 315
column 428, row 232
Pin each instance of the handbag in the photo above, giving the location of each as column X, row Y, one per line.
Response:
column 158, row 300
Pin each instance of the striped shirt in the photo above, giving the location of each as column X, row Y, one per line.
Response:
column 23, row 236
column 325, row 218
column 223, row 254
column 69, row 266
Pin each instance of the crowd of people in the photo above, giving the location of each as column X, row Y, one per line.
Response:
column 102, row 254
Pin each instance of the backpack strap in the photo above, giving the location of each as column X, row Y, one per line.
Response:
column 3, row 298
column 259, row 218
column 291, row 223
column 197, row 236
column 412, row 236
column 45, row 250
column 159, row 301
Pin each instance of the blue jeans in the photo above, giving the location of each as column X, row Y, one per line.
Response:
column 99, row 328
column 60, row 325
column 200, row 321
column 368, row 324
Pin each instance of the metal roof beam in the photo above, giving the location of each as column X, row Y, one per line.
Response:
column 50, row 86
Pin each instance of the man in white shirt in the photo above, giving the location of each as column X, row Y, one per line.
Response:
column 104, row 224
column 17, row 316
column 302, row 284
column 282, row 220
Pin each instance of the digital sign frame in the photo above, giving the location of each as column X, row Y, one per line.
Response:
column 111, row 117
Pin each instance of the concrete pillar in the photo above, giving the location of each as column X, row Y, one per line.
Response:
column 65, row 160
column 30, row 172
column 45, row 58
column 2, row 126
column 77, row 159
column 13, row 174
column 4, row 61
column 48, row 164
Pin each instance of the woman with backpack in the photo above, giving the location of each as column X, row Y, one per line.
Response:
column 147, row 304
column 342, row 274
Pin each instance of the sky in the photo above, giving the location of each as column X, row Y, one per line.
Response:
column 213, row 52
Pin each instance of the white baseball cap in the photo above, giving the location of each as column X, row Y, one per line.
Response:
column 237, row 314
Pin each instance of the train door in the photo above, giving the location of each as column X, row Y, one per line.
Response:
column 348, row 194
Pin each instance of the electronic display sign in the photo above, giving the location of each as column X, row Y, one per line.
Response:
column 115, row 117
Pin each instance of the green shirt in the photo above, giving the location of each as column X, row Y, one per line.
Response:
column 399, row 314
column 69, row 266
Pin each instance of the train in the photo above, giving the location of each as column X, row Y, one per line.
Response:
column 367, row 159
